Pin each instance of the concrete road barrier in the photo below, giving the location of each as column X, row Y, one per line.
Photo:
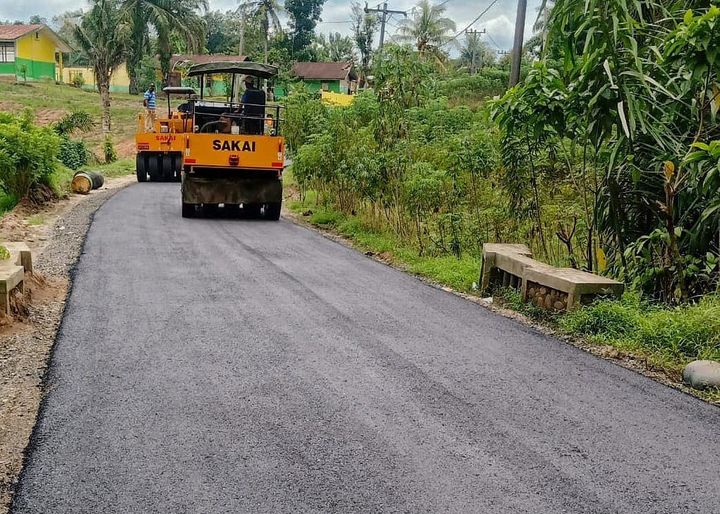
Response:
column 547, row 287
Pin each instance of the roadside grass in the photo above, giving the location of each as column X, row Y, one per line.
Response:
column 460, row 274
column 671, row 336
column 665, row 338
column 47, row 99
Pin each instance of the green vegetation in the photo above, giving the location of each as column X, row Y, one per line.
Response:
column 27, row 154
column 622, row 109
column 604, row 158
column 53, row 103
column 460, row 274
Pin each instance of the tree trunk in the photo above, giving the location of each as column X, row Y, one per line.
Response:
column 104, row 86
column 135, row 53
column 165, row 54
column 133, row 88
column 266, row 47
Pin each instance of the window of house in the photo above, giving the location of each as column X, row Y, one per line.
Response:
column 7, row 52
column 325, row 86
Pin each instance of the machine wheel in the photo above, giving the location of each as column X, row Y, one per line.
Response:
column 188, row 210
column 177, row 166
column 252, row 210
column 152, row 164
column 272, row 211
column 168, row 170
column 140, row 170
column 211, row 210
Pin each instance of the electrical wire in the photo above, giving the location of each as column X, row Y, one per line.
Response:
column 472, row 23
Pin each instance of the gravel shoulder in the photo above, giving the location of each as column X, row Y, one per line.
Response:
column 56, row 234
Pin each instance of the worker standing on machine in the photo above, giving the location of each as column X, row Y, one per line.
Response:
column 150, row 103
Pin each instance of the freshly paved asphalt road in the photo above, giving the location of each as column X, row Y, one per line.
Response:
column 244, row 366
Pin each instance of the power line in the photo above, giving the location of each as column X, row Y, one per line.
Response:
column 493, row 41
column 472, row 23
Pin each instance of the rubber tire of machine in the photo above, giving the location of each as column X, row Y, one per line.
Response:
column 168, row 171
column 153, row 167
column 211, row 210
column 177, row 166
column 272, row 211
column 189, row 210
column 252, row 210
column 140, row 169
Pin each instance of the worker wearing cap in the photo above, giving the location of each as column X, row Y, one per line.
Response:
column 150, row 103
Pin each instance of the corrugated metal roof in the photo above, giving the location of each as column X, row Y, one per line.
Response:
column 13, row 32
column 324, row 70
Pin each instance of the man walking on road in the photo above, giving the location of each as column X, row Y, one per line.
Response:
column 150, row 104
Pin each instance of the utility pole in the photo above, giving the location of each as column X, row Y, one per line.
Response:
column 518, row 45
column 474, row 34
column 383, row 19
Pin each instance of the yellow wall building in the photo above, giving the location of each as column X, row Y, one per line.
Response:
column 120, row 81
column 31, row 52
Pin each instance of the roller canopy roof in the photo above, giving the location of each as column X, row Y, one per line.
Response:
column 263, row 71
column 179, row 91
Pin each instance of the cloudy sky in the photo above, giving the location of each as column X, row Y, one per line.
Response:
column 498, row 21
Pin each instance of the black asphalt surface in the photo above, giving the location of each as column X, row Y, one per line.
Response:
column 212, row 366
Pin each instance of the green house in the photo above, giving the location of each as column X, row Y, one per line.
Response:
column 335, row 77
column 31, row 52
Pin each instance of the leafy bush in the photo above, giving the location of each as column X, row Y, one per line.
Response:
column 73, row 153
column 109, row 150
column 27, row 154
column 76, row 120
column 78, row 80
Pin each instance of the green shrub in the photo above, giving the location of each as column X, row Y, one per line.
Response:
column 109, row 150
column 76, row 120
column 27, row 154
column 73, row 153
column 78, row 80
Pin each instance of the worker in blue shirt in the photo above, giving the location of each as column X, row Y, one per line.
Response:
column 150, row 104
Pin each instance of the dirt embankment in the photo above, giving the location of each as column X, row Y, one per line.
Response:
column 55, row 231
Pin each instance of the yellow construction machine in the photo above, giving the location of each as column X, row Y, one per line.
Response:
column 231, row 153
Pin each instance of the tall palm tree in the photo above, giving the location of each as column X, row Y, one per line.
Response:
column 428, row 29
column 167, row 17
column 102, row 37
column 266, row 11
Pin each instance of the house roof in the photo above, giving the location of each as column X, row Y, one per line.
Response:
column 15, row 32
column 324, row 70
column 204, row 59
